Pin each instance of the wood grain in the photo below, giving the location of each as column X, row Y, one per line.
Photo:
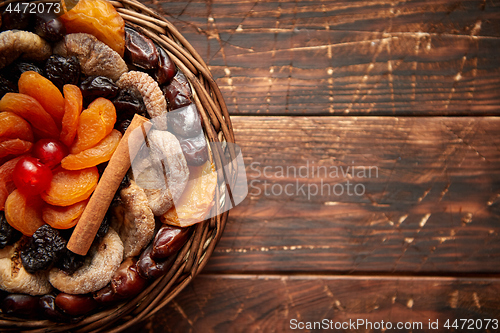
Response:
column 356, row 58
column 431, row 205
column 220, row 303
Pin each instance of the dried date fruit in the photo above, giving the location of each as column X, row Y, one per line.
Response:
column 195, row 149
column 8, row 235
column 149, row 268
column 126, row 283
column 43, row 249
column 178, row 93
column 166, row 68
column 19, row 305
column 168, row 241
column 140, row 50
column 75, row 305
column 61, row 70
column 185, row 121
column 98, row 86
column 48, row 309
column 49, row 27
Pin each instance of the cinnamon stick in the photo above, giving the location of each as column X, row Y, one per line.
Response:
column 99, row 202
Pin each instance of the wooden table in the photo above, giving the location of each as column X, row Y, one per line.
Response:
column 388, row 113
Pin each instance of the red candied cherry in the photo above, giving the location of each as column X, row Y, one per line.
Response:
column 31, row 176
column 49, row 151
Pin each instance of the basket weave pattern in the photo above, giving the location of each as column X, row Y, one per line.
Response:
column 193, row 256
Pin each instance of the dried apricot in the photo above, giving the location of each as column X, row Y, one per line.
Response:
column 27, row 107
column 197, row 198
column 94, row 125
column 63, row 217
column 14, row 147
column 71, row 186
column 24, row 213
column 98, row 18
column 45, row 92
column 13, row 126
column 98, row 154
column 6, row 181
column 72, row 109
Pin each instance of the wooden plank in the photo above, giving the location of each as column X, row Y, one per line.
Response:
column 430, row 206
column 219, row 303
column 356, row 58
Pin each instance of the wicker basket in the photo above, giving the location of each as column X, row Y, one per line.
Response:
column 194, row 255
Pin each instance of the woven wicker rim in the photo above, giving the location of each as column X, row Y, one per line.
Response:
column 191, row 259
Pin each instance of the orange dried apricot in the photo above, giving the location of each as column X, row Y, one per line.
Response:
column 94, row 125
column 24, row 213
column 98, row 154
column 71, row 186
column 197, row 198
column 98, row 18
column 63, row 217
column 13, row 126
column 6, row 181
column 45, row 92
column 14, row 147
column 27, row 107
column 72, row 109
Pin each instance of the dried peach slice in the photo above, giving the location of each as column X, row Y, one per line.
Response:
column 45, row 92
column 24, row 213
column 98, row 154
column 6, row 181
column 27, row 107
column 197, row 198
column 98, row 18
column 72, row 109
column 94, row 125
column 14, row 147
column 13, row 126
column 63, row 217
column 71, row 186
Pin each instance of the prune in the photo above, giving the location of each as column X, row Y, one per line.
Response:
column 126, row 283
column 150, row 268
column 43, row 249
column 49, row 27
column 140, row 50
column 178, row 92
column 8, row 235
column 195, row 149
column 168, row 241
column 19, row 20
column 98, row 86
column 48, row 309
column 6, row 86
column 19, row 305
column 185, row 121
column 166, row 68
column 13, row 71
column 61, row 70
column 127, row 104
column 70, row 262
column 75, row 305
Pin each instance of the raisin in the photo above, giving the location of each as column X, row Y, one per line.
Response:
column 20, row 20
column 6, row 86
column 140, row 50
column 98, row 86
column 44, row 248
column 49, row 27
column 103, row 228
column 13, row 71
column 70, row 262
column 8, row 235
column 127, row 104
column 61, row 70
column 178, row 92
